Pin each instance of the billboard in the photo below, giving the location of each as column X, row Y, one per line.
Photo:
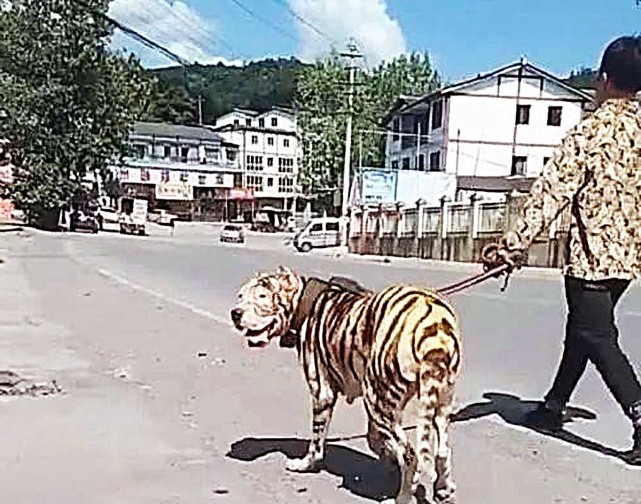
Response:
column 378, row 185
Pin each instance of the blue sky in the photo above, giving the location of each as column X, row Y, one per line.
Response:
column 462, row 36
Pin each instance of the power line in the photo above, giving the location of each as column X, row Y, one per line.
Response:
column 305, row 22
column 194, row 32
column 264, row 20
column 134, row 34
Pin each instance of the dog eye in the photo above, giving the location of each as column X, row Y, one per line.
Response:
column 262, row 296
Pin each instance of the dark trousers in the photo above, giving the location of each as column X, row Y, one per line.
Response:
column 592, row 336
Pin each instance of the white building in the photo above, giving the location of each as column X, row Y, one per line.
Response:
column 185, row 169
column 494, row 132
column 269, row 152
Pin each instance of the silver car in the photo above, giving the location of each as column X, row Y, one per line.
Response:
column 232, row 233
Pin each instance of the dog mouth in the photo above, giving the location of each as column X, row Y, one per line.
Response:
column 259, row 338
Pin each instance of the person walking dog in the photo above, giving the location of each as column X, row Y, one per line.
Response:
column 597, row 173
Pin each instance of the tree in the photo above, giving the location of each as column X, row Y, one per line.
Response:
column 582, row 78
column 321, row 103
column 68, row 102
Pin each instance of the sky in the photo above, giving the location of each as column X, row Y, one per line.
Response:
column 462, row 37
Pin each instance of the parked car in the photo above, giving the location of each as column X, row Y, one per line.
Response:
column 84, row 219
column 319, row 232
column 232, row 233
column 162, row 217
column 108, row 219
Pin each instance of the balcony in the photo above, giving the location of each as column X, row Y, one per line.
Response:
column 182, row 163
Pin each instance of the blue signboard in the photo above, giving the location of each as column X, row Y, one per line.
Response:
column 378, row 185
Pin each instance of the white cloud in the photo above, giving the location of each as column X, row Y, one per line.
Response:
column 367, row 21
column 174, row 25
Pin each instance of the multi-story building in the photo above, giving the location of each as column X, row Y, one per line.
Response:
column 188, row 170
column 494, row 132
column 269, row 152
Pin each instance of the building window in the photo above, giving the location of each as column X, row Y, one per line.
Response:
column 523, row 114
column 144, row 175
column 184, row 154
column 435, row 161
column 437, row 115
column 184, row 176
column 248, row 122
column 124, row 173
column 164, row 176
column 254, row 139
column 236, row 122
column 286, row 142
column 255, row 182
column 220, row 180
column 202, row 179
column 546, row 160
column 421, row 162
column 274, row 122
column 270, row 182
column 395, row 165
column 167, row 152
column 254, row 163
column 554, row 116
column 270, row 161
column 231, row 155
column 270, row 140
column 212, row 153
column 286, row 185
column 140, row 151
column 396, row 128
column 285, row 165
column 406, row 163
column 519, row 165
column 261, row 123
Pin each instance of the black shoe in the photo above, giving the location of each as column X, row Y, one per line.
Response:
column 633, row 457
column 543, row 418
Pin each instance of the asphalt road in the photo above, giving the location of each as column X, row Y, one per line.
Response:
column 164, row 404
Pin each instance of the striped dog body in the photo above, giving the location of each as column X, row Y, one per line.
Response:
column 388, row 347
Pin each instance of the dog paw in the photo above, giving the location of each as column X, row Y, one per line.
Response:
column 445, row 497
column 303, row 465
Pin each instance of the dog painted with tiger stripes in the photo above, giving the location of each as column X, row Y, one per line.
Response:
column 387, row 346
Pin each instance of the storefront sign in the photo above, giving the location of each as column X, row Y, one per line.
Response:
column 174, row 191
column 240, row 194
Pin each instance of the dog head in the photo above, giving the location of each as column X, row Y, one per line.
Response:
column 265, row 306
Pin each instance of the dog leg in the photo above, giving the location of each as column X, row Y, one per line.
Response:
column 323, row 402
column 387, row 439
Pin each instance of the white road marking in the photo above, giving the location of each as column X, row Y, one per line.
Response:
column 183, row 304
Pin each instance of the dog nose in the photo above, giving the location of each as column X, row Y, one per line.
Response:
column 236, row 314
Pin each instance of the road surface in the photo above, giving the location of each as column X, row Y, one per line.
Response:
column 163, row 404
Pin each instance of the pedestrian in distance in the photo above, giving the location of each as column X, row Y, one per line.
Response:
column 596, row 172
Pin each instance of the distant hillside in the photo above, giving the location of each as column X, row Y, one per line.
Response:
column 257, row 85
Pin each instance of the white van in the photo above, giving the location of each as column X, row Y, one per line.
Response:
column 319, row 232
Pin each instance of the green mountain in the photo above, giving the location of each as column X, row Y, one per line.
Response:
column 258, row 85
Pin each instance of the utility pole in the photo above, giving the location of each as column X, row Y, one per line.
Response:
column 200, row 109
column 352, row 53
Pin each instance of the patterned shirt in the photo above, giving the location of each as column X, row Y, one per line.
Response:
column 597, row 173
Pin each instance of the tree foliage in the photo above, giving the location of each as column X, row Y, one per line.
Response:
column 321, row 101
column 67, row 101
column 582, row 78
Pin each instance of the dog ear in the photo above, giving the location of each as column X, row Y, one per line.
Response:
column 284, row 270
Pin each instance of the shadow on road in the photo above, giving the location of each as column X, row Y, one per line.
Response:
column 512, row 410
column 362, row 475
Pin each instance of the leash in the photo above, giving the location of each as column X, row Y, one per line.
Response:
column 475, row 280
